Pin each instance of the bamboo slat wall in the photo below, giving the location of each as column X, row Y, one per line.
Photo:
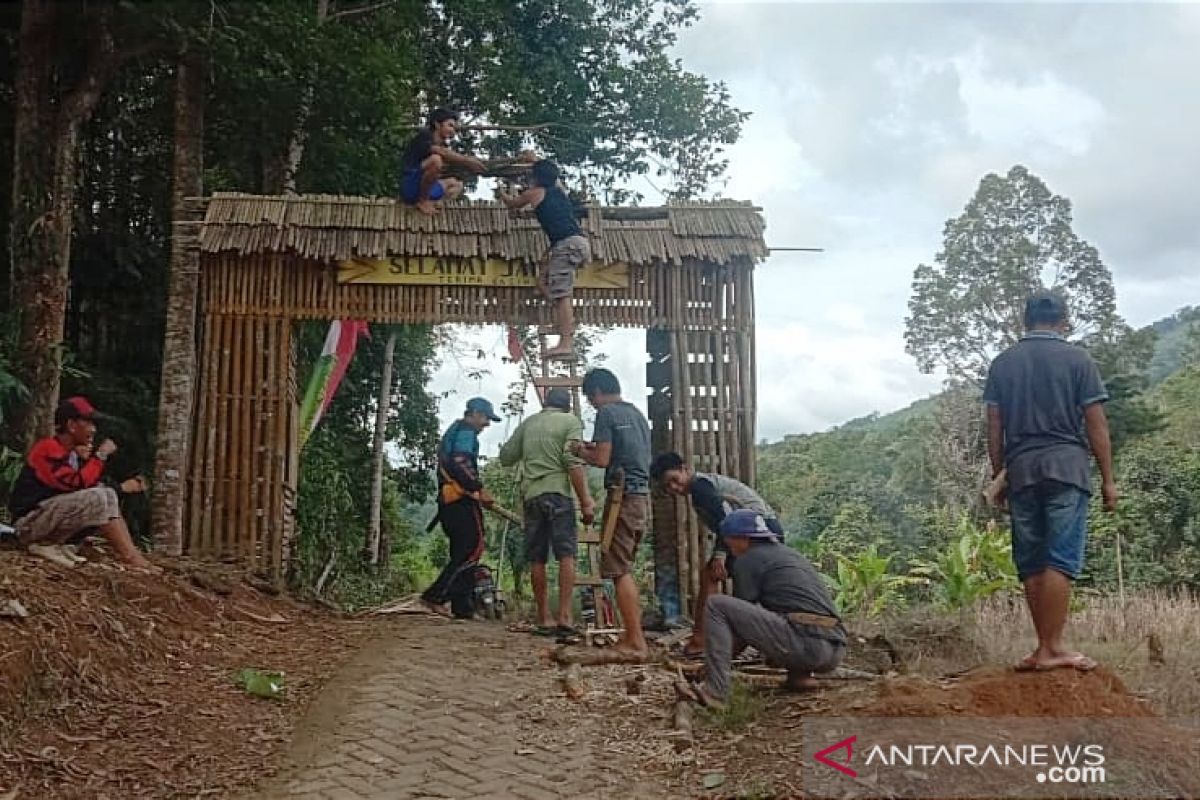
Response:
column 267, row 261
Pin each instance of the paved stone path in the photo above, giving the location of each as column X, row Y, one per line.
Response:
column 432, row 709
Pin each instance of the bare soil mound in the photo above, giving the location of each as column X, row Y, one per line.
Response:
column 996, row 692
column 122, row 685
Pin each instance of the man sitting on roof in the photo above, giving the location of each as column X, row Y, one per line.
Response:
column 57, row 499
column 781, row 607
column 421, row 181
column 569, row 248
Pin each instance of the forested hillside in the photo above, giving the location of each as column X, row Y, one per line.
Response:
column 875, row 481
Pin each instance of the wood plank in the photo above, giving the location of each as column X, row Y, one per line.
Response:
column 564, row 381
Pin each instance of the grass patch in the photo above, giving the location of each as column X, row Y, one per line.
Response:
column 1116, row 633
column 744, row 707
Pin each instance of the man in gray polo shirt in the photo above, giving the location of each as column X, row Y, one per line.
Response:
column 1045, row 407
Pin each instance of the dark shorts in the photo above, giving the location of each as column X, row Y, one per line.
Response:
column 410, row 187
column 632, row 520
column 550, row 525
column 565, row 258
column 1049, row 528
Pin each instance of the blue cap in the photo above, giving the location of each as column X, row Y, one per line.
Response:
column 483, row 406
column 745, row 522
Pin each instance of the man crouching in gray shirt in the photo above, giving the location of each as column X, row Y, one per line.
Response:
column 780, row 607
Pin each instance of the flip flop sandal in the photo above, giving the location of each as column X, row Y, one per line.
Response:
column 544, row 630
column 686, row 654
column 1082, row 664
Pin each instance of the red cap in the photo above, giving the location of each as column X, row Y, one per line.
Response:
column 77, row 408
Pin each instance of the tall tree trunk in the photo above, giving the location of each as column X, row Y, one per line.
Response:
column 179, row 342
column 374, row 535
column 46, row 160
column 38, row 283
column 295, row 151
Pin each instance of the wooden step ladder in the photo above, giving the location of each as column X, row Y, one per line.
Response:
column 564, row 374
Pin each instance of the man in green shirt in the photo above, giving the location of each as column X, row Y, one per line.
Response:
column 549, row 470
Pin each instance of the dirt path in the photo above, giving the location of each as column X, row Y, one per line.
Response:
column 440, row 709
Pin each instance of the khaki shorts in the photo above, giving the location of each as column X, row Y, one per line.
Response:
column 632, row 521
column 60, row 519
column 565, row 258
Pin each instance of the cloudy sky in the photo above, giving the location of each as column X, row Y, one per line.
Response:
column 873, row 124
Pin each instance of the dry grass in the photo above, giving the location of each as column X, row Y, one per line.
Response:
column 1116, row 634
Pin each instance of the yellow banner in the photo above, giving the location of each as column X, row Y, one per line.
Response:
column 450, row 271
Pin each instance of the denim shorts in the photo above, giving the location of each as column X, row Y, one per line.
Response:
column 1049, row 528
column 410, row 187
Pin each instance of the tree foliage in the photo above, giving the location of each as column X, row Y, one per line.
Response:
column 590, row 79
column 1013, row 238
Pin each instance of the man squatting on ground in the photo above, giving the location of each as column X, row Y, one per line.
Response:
column 421, row 181
column 569, row 248
column 461, row 497
column 58, row 498
column 1045, row 405
column 621, row 444
column 713, row 496
column 780, row 606
column 543, row 446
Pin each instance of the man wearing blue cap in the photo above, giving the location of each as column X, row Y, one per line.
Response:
column 1045, row 407
column 780, row 606
column 460, row 498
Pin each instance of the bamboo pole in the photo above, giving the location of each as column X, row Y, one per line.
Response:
column 236, row 469
column 221, row 462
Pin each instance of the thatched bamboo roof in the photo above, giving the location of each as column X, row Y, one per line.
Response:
column 330, row 227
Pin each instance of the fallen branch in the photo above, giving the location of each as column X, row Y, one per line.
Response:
column 589, row 658
column 682, row 718
column 410, row 604
column 847, row 674
column 683, row 723
column 274, row 618
column 572, row 680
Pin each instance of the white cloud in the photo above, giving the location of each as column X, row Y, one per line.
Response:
column 873, row 124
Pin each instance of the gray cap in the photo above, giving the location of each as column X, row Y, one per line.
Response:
column 558, row 397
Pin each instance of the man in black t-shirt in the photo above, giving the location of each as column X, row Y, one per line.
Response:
column 1045, row 406
column 713, row 496
column 569, row 248
column 421, row 181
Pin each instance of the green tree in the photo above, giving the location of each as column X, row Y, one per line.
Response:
column 1013, row 238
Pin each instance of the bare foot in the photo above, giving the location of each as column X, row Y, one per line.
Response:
column 1038, row 662
column 51, row 553
column 625, row 648
column 426, row 207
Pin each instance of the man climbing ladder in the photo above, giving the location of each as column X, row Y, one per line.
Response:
column 569, row 248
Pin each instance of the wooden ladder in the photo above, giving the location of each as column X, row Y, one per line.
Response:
column 565, row 374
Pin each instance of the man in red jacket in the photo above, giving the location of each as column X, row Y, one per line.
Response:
column 58, row 498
